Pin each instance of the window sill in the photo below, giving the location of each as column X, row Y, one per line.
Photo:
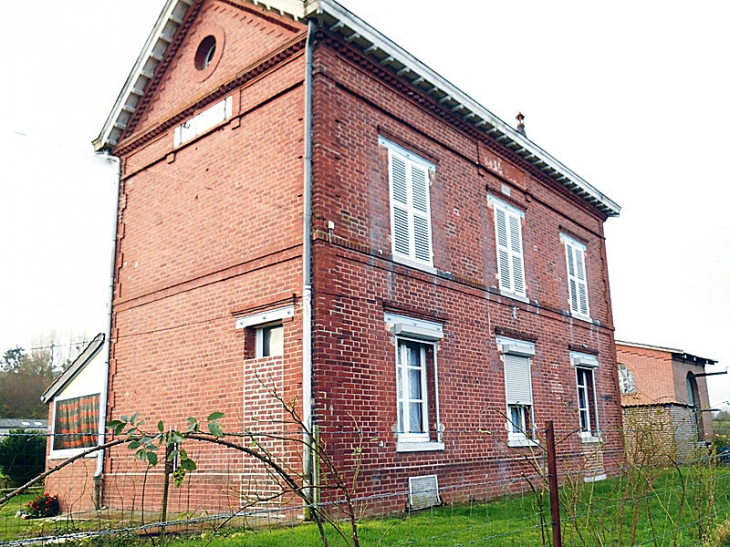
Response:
column 519, row 442
column 407, row 261
column 590, row 439
column 576, row 315
column 428, row 446
column 514, row 295
column 70, row 453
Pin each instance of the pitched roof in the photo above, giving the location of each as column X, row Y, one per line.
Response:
column 372, row 44
column 23, row 423
column 73, row 370
column 678, row 353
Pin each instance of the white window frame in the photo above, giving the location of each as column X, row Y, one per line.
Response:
column 510, row 248
column 428, row 335
column 66, row 453
column 410, row 215
column 517, row 360
column 587, row 405
column 262, row 321
column 575, row 259
column 260, row 332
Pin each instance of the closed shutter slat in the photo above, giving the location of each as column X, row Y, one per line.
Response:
column 419, row 182
column 421, row 238
column 401, row 232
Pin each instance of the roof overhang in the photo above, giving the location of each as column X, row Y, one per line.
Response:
column 75, row 368
column 381, row 50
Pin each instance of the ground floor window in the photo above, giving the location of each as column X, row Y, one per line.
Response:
column 518, row 393
column 412, row 389
column 416, row 346
column 76, row 423
column 585, row 368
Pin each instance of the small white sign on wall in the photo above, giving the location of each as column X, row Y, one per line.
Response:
column 208, row 118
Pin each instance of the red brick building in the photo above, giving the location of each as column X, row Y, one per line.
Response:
column 304, row 202
column 664, row 393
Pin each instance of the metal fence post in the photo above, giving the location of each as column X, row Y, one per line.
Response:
column 553, row 482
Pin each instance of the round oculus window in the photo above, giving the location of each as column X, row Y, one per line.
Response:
column 205, row 53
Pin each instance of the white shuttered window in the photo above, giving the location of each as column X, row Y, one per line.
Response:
column 577, row 279
column 410, row 211
column 510, row 261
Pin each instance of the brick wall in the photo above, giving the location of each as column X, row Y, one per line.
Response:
column 356, row 281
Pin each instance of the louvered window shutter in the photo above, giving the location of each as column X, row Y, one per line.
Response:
column 409, row 183
column 577, row 279
column 518, row 388
column 399, row 202
column 510, row 262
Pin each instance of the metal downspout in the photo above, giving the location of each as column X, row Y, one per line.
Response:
column 307, row 255
column 98, row 474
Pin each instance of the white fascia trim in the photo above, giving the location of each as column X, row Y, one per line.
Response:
column 418, row 447
column 265, row 317
column 583, row 360
column 515, row 347
column 105, row 137
column 383, row 43
column 491, row 200
column 410, row 327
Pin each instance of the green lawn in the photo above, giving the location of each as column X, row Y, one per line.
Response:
column 646, row 507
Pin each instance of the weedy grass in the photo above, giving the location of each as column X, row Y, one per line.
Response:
column 682, row 507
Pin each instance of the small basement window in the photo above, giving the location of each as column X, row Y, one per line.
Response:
column 205, row 53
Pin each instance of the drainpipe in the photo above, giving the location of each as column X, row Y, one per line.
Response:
column 307, row 256
column 98, row 474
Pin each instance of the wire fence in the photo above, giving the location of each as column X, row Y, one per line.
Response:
column 230, row 500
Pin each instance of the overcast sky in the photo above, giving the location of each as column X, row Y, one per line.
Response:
column 633, row 96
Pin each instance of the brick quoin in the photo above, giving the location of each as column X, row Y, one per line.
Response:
column 211, row 231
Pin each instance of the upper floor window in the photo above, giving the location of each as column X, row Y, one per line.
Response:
column 510, row 261
column 410, row 209
column 577, row 280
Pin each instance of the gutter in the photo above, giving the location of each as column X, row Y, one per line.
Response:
column 307, row 255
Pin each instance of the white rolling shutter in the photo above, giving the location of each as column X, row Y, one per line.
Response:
column 518, row 387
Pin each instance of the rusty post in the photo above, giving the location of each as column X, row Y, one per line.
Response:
column 552, row 477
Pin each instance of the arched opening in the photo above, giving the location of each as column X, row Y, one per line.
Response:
column 693, row 401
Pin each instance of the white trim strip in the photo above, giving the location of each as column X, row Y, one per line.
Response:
column 265, row 317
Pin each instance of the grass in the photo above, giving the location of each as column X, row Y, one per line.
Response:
column 645, row 507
